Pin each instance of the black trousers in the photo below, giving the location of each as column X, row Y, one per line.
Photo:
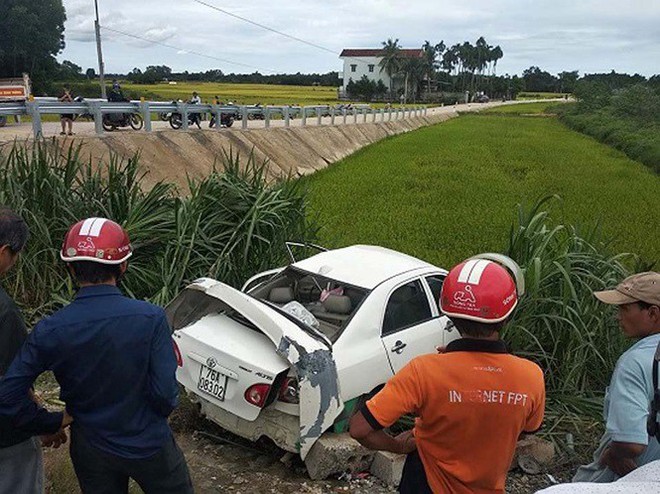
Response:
column 99, row 472
column 413, row 478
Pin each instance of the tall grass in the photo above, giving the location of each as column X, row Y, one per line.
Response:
column 559, row 323
column 228, row 225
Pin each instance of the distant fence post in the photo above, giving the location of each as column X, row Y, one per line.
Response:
column 304, row 115
column 355, row 114
column 344, row 112
column 183, row 109
column 267, row 117
column 146, row 115
column 287, row 117
column 33, row 108
column 218, row 117
column 318, row 115
column 382, row 115
column 98, row 118
column 244, row 117
column 373, row 115
column 332, row 115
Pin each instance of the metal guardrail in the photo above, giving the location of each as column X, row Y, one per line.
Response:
column 97, row 109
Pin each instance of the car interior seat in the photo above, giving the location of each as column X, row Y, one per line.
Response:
column 281, row 295
column 338, row 304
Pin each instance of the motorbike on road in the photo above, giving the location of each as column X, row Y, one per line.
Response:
column 113, row 121
column 226, row 120
column 176, row 120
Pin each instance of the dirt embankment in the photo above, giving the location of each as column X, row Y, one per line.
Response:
column 172, row 155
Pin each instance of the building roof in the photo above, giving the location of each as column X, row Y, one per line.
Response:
column 405, row 52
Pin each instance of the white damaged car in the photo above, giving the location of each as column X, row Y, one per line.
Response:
column 291, row 355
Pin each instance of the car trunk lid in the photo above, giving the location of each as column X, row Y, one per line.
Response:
column 240, row 332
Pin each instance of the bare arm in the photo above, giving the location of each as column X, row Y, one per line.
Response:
column 621, row 457
column 379, row 440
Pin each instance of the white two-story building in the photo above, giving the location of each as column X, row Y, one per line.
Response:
column 361, row 62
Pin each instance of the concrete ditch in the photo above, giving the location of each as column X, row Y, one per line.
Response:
column 172, row 156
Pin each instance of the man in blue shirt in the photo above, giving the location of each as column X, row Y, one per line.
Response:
column 115, row 363
column 626, row 444
column 21, row 462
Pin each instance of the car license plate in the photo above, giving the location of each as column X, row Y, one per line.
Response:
column 212, row 382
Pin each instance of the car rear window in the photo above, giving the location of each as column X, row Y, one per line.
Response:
column 331, row 302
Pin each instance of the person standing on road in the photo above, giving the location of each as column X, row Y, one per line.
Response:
column 195, row 117
column 114, row 360
column 626, row 444
column 472, row 401
column 66, row 119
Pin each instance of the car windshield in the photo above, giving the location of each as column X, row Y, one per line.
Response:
column 331, row 302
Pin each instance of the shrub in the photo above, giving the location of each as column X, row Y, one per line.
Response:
column 638, row 102
column 229, row 225
column 559, row 323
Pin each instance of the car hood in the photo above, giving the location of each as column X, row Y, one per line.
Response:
column 311, row 359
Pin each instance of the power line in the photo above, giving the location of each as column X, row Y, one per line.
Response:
column 205, row 55
column 334, row 52
column 267, row 28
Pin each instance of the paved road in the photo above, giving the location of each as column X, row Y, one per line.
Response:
column 82, row 128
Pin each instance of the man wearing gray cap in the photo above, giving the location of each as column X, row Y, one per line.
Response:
column 626, row 443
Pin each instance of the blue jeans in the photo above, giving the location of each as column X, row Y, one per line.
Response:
column 22, row 468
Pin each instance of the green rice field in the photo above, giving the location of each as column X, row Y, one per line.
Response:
column 446, row 192
column 266, row 94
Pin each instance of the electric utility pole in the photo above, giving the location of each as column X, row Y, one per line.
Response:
column 97, row 28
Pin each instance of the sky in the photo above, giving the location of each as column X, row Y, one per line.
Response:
column 560, row 35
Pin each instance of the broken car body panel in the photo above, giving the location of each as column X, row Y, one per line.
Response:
column 310, row 357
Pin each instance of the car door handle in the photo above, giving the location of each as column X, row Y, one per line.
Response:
column 398, row 347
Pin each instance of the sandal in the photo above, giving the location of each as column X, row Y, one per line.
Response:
column 62, row 133
column 70, row 133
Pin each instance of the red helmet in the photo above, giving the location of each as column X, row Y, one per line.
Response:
column 482, row 289
column 98, row 240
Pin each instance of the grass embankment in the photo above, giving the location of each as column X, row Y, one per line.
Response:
column 445, row 192
column 627, row 119
column 524, row 109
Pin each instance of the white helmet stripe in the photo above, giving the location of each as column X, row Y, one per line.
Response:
column 465, row 272
column 477, row 271
column 472, row 271
column 92, row 226
column 96, row 227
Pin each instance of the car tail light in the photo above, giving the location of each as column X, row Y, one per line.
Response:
column 257, row 394
column 177, row 353
column 289, row 391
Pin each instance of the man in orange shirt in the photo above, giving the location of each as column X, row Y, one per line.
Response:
column 472, row 401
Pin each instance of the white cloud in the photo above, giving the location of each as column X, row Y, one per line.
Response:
column 590, row 35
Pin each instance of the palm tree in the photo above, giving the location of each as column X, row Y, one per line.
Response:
column 414, row 69
column 430, row 59
column 390, row 62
